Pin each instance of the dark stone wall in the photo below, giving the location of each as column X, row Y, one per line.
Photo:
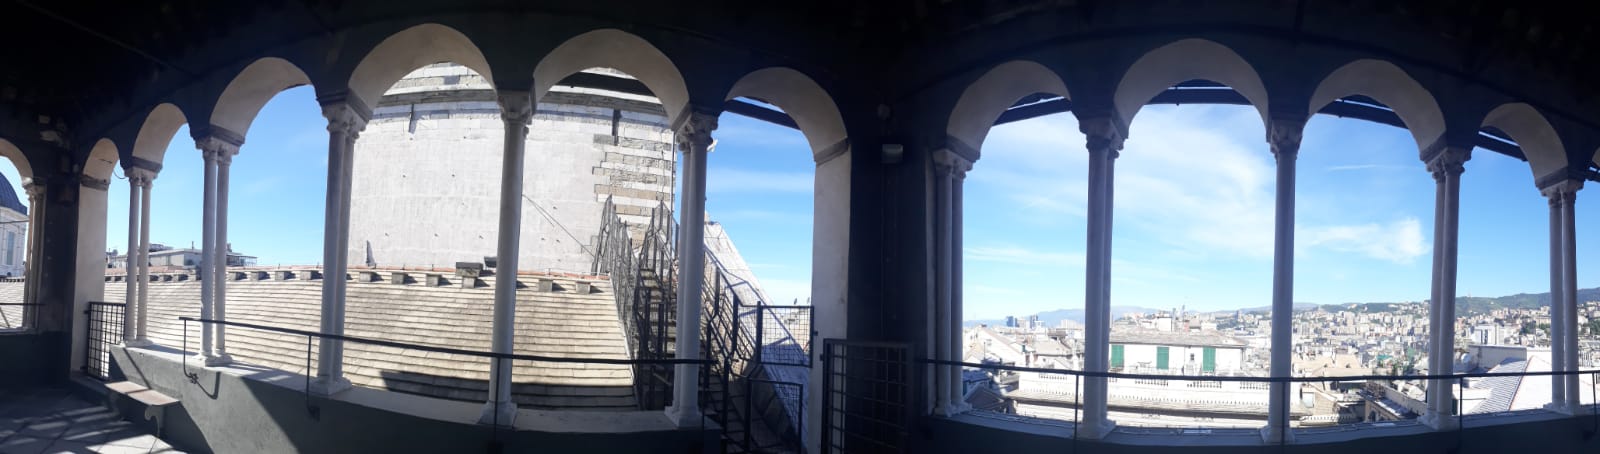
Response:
column 33, row 359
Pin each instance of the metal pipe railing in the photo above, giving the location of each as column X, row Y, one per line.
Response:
column 1240, row 378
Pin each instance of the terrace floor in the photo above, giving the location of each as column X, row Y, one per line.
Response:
column 54, row 420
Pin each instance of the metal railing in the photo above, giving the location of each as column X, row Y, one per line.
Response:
column 104, row 332
column 501, row 358
column 866, row 401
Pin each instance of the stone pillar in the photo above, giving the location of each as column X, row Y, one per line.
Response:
column 32, row 252
column 141, row 336
column 208, row 244
column 1283, row 134
column 516, row 110
column 694, row 139
column 346, row 118
column 1446, row 167
column 219, row 149
column 1104, row 140
column 130, row 307
column 949, row 169
column 1563, row 195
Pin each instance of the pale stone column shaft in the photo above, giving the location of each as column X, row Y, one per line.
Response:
column 1446, row 168
column 346, row 118
column 949, row 169
column 694, row 139
column 219, row 256
column 1284, row 136
column 958, row 397
column 942, row 321
column 208, row 244
column 516, row 110
column 1103, row 141
column 1558, row 389
column 1569, row 297
column 141, row 335
column 130, row 298
column 31, row 251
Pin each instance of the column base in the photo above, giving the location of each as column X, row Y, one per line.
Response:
column 1438, row 421
column 1096, row 430
column 685, row 417
column 502, row 415
column 323, row 386
column 1275, row 435
column 137, row 343
column 217, row 360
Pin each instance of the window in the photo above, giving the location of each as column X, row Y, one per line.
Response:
column 1116, row 356
column 1162, row 355
column 1209, row 359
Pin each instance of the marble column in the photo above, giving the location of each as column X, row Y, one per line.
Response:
column 1446, row 167
column 516, row 111
column 219, row 149
column 1562, row 194
column 141, row 334
column 1283, row 134
column 35, row 189
column 208, row 244
column 1104, row 140
column 130, row 308
column 950, row 169
column 694, row 140
column 347, row 116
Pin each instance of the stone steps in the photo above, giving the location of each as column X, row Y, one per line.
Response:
column 554, row 324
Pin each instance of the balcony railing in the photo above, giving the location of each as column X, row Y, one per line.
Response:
column 312, row 336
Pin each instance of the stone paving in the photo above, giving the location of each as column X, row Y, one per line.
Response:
column 54, row 420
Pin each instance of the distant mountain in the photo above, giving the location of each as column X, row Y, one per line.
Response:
column 1054, row 318
column 1465, row 305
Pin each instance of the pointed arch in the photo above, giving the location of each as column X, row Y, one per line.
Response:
column 157, row 131
column 10, row 151
column 623, row 51
column 1539, row 141
column 1391, row 86
column 812, row 110
column 997, row 90
column 413, row 48
column 244, row 97
column 1183, row 61
column 102, row 160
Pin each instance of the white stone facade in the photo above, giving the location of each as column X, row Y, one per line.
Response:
column 13, row 242
column 426, row 172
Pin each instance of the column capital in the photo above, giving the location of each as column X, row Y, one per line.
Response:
column 1284, row 133
column 1449, row 161
column 1103, row 134
column 696, row 130
column 347, row 115
column 34, row 188
column 1562, row 190
column 218, row 147
column 516, row 106
column 950, row 163
column 139, row 176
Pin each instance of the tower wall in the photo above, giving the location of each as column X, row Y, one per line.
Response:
column 426, row 183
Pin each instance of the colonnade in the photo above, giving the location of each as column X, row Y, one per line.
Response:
column 1444, row 160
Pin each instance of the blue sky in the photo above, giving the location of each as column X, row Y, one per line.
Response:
column 1193, row 213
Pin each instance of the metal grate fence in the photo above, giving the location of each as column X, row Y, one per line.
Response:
column 105, row 331
column 867, row 405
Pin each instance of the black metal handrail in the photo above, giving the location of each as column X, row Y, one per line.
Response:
column 457, row 351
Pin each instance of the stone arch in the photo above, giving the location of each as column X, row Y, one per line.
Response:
column 159, row 128
column 102, row 160
column 413, row 48
column 1183, row 61
column 1390, row 85
column 812, row 110
column 244, row 97
column 10, row 151
column 997, row 90
column 1533, row 133
column 623, row 51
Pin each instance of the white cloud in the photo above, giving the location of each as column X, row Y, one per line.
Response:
column 1021, row 256
column 745, row 180
column 1399, row 241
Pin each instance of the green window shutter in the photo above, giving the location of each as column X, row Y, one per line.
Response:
column 1209, row 361
column 1116, row 356
column 1161, row 358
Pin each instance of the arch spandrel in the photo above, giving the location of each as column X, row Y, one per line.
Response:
column 1533, row 133
column 1390, row 85
column 997, row 90
column 157, row 132
column 623, row 51
column 413, row 48
column 257, row 84
column 1183, row 61
column 811, row 108
column 102, row 160
column 10, row 151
